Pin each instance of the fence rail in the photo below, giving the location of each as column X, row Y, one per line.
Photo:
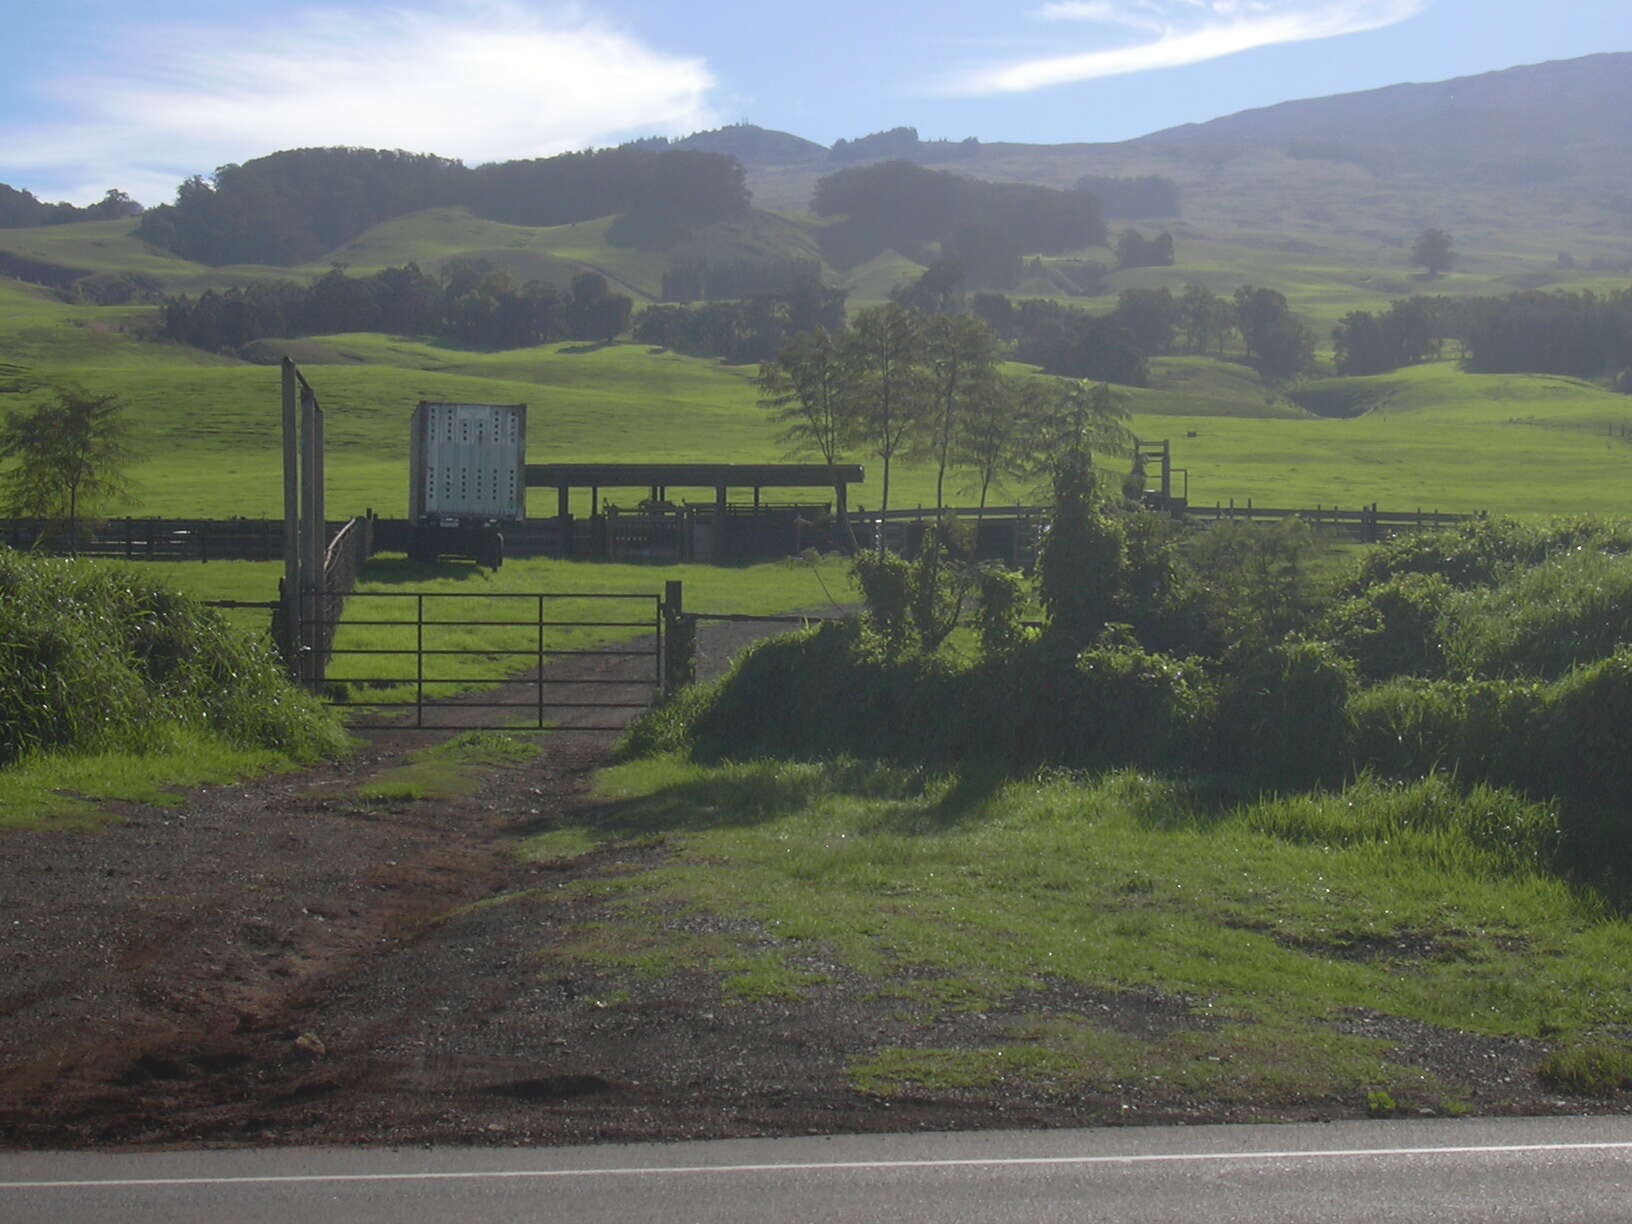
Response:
column 521, row 645
column 154, row 539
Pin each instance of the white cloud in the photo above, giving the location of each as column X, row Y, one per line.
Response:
column 483, row 81
column 1182, row 32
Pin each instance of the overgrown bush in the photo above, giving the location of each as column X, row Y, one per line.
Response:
column 1568, row 738
column 1392, row 628
column 1282, row 719
column 1483, row 552
column 1573, row 609
column 1258, row 584
column 92, row 658
column 1128, row 706
column 1001, row 598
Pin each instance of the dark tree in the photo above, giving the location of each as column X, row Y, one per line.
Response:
column 1134, row 250
column 1432, row 250
column 1278, row 343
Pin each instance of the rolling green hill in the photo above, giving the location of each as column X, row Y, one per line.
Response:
column 1264, row 204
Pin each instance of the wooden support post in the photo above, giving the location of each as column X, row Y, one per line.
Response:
column 679, row 661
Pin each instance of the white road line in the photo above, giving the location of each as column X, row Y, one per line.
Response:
column 818, row 1166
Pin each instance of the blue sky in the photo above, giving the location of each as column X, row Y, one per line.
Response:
column 100, row 94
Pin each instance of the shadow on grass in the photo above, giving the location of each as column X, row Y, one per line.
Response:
column 400, row 571
column 921, row 802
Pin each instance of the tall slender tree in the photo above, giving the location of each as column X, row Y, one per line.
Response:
column 884, row 353
column 961, row 360
column 991, row 437
column 804, row 389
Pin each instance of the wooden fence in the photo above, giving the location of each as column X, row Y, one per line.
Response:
column 154, row 539
column 1367, row 524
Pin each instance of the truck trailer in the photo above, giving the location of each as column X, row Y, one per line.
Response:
column 467, row 479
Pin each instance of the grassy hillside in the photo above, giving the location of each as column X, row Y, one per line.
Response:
column 208, row 425
column 552, row 253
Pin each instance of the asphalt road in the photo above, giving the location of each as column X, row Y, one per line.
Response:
column 1424, row 1171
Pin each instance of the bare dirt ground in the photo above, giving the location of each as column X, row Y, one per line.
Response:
column 281, row 962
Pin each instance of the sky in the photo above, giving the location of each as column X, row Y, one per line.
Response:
column 100, row 94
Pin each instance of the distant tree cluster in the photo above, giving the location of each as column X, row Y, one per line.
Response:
column 903, row 207
column 294, row 206
column 752, row 329
column 1584, row 335
column 21, row 210
column 473, row 303
column 1581, row 334
column 1132, row 199
column 1116, row 347
column 900, row 143
column 707, row 280
column 1134, row 250
column 1412, row 330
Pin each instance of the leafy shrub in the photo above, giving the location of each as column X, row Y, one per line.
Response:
column 1479, row 730
column 1258, row 582
column 1160, row 596
column 1485, row 551
column 1282, row 719
column 94, row 659
column 1131, row 707
column 1567, row 738
column 1392, row 628
column 1588, row 723
column 1002, row 594
column 1475, row 553
column 1079, row 567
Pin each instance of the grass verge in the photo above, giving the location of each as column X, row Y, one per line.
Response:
column 1266, row 953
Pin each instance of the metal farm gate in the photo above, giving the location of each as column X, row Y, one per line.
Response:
column 526, row 661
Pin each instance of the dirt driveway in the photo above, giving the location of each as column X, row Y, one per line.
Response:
column 282, row 962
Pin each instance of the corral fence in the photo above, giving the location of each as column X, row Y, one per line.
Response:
column 155, row 539
column 1368, row 524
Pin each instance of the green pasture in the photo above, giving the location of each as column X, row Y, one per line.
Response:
column 1265, row 929
column 1429, row 437
column 111, row 246
column 207, row 426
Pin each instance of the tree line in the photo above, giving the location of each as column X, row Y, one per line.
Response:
column 293, row 206
column 1584, row 335
column 1066, row 341
column 900, row 206
column 750, row 329
column 472, row 303
column 22, row 210
column 1115, row 347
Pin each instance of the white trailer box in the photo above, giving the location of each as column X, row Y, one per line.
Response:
column 468, row 463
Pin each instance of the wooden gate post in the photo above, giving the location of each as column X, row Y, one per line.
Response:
column 679, row 640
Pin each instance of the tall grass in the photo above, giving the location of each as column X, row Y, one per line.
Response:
column 97, row 659
column 1573, row 609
